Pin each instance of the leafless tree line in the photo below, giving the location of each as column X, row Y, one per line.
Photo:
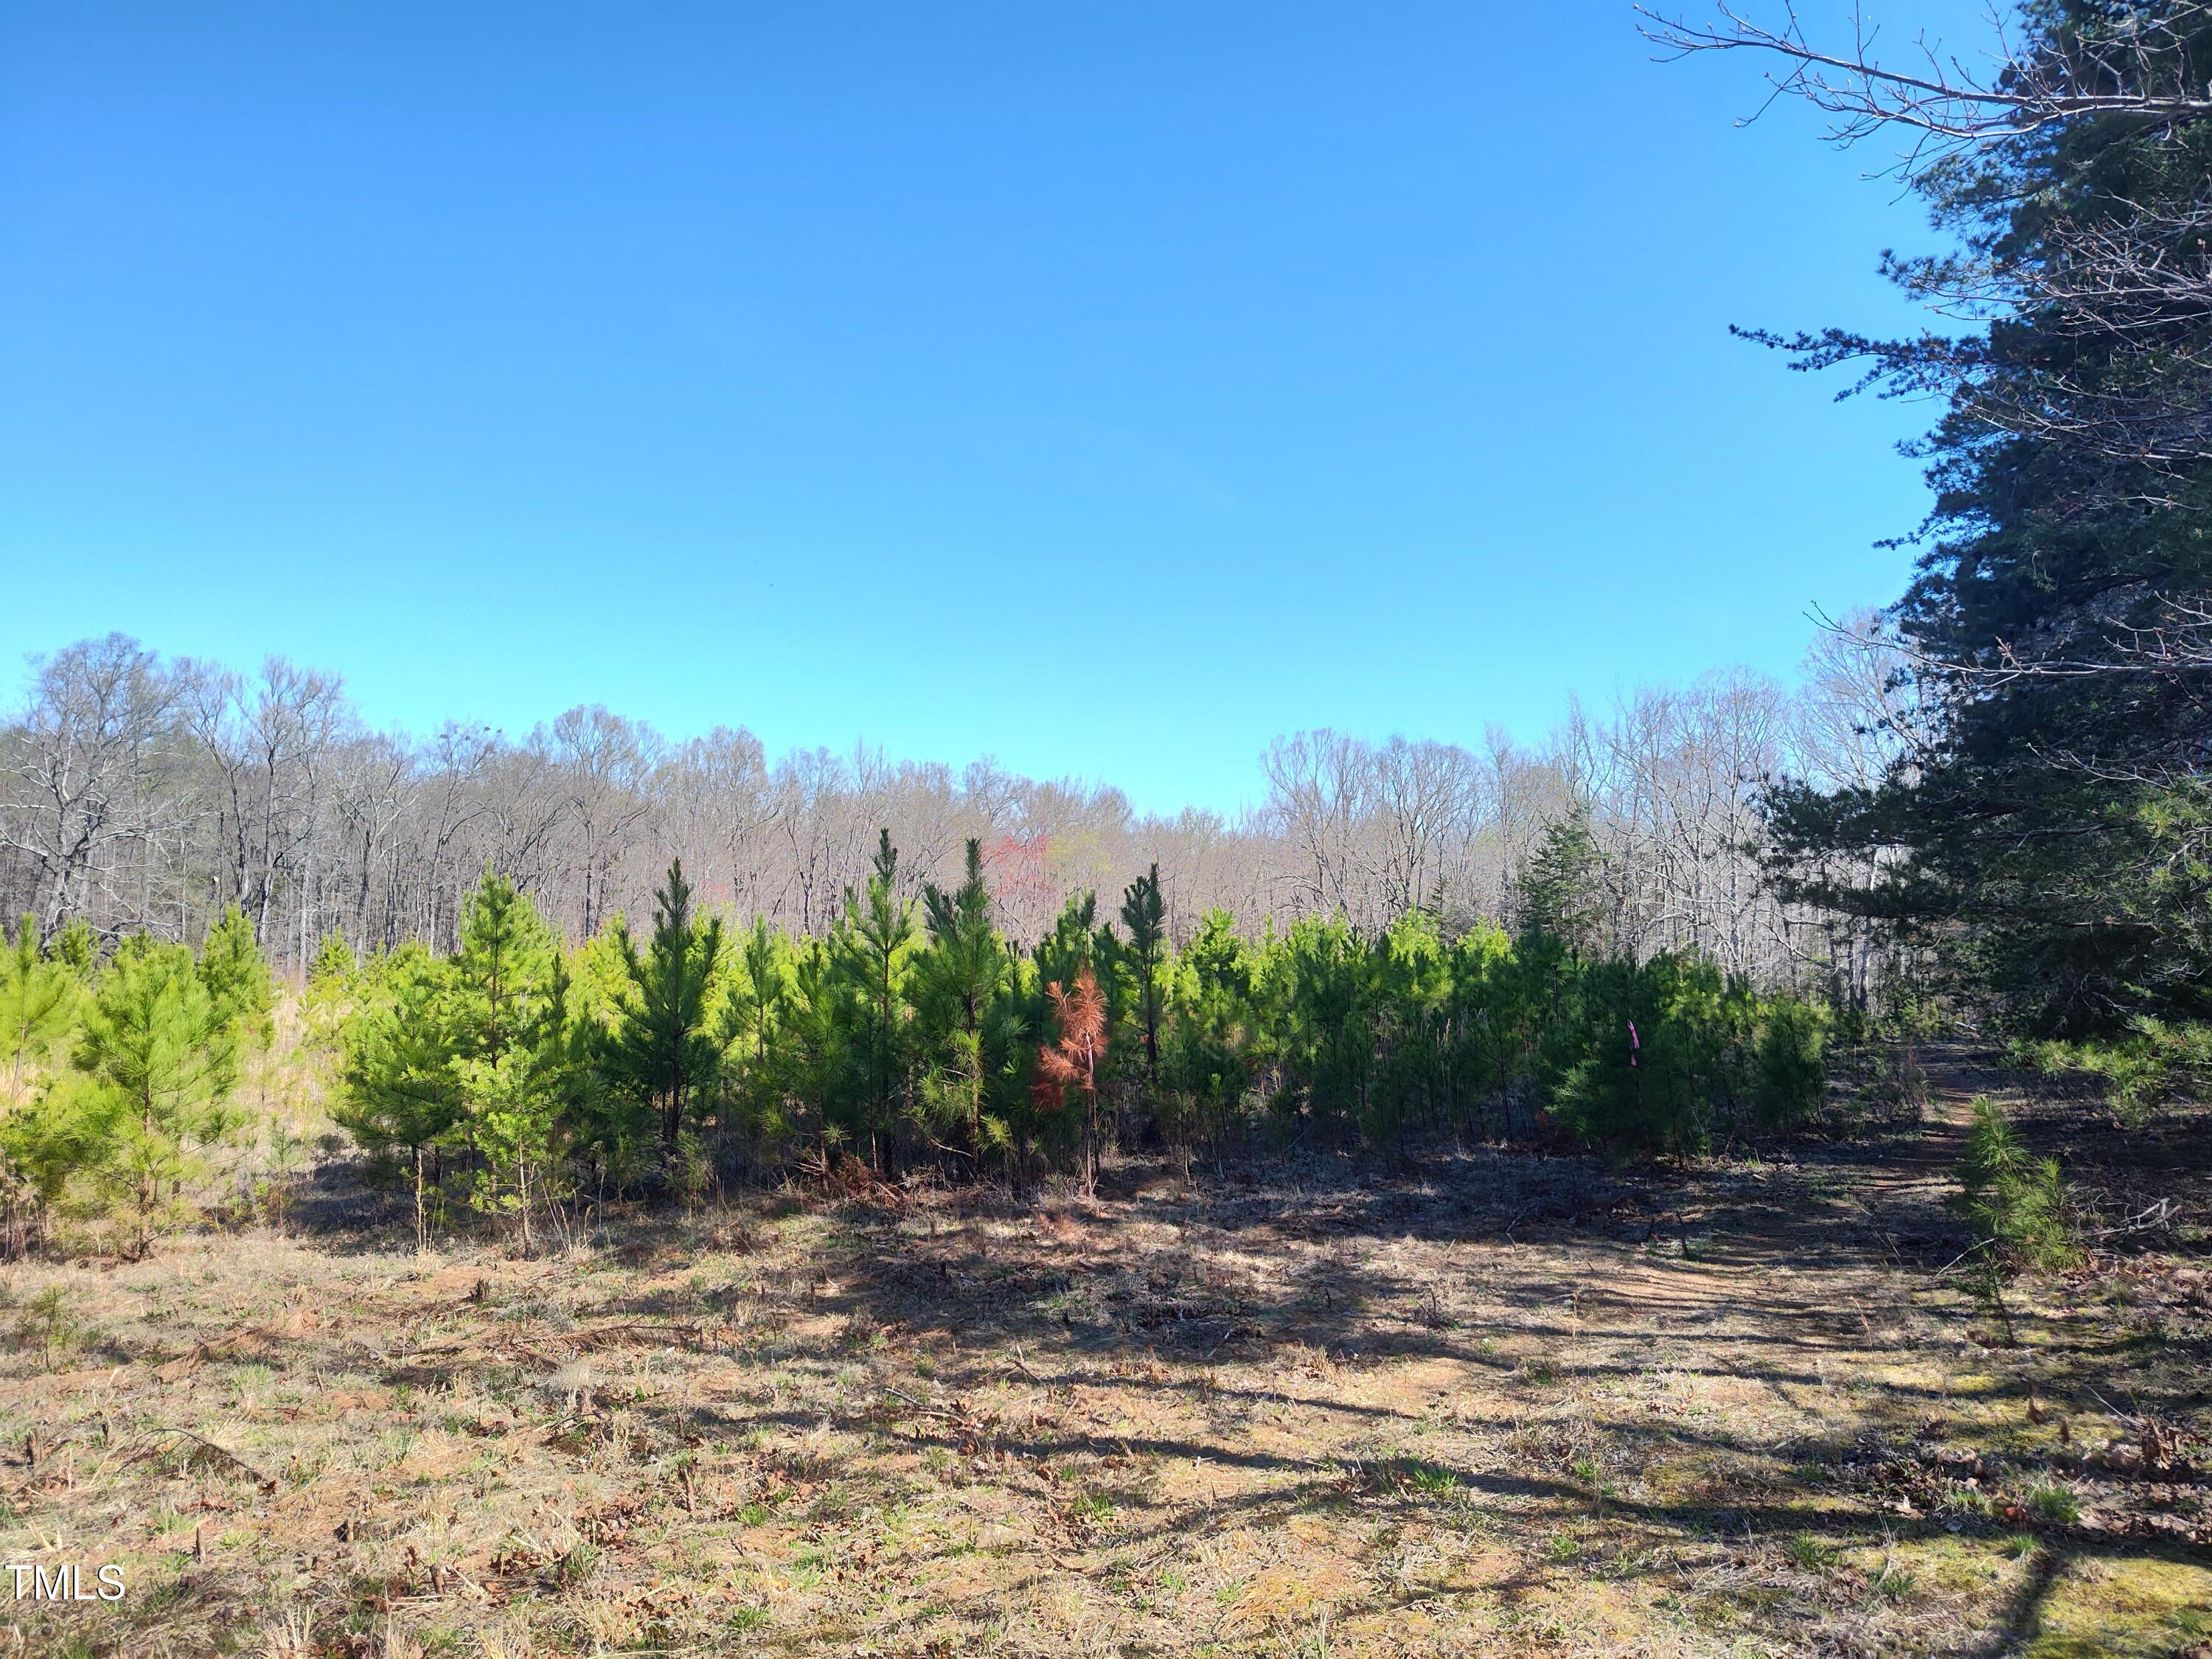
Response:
column 139, row 793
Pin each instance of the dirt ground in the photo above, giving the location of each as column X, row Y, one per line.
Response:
column 1502, row 1405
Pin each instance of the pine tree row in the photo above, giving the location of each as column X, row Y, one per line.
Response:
column 915, row 1036
column 518, row 1075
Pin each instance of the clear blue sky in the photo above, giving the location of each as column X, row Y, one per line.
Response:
column 1106, row 387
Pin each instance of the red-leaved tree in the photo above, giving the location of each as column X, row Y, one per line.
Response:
column 1072, row 1061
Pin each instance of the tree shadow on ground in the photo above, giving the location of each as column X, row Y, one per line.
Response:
column 1739, row 1385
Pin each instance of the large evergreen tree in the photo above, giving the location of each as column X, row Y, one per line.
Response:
column 2054, row 838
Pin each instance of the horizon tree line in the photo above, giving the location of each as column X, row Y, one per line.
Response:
column 142, row 794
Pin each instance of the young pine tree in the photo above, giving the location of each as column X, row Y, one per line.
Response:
column 1072, row 945
column 158, row 1056
column 750, row 1037
column 1144, row 914
column 502, row 1019
column 398, row 1092
column 959, row 977
column 333, row 991
column 1560, row 890
column 75, row 947
column 41, row 1137
column 38, row 1001
column 1791, row 1076
column 334, row 963
column 872, row 943
column 1209, row 1035
column 473, row 1052
column 664, row 1049
column 238, row 979
column 1329, row 1020
column 817, row 1063
column 2015, row 1200
column 503, row 970
column 521, row 1100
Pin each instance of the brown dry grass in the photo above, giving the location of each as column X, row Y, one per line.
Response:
column 1512, row 1406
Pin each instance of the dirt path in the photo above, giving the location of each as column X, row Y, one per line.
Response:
column 1955, row 1076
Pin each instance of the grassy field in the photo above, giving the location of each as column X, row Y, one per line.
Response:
column 1501, row 1404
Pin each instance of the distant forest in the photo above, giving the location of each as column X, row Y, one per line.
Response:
column 143, row 793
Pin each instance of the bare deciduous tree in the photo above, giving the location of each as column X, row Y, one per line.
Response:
column 90, row 765
column 137, row 794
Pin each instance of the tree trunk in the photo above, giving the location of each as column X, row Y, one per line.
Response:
column 146, row 1188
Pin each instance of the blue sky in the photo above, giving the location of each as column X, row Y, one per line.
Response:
column 1107, row 387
